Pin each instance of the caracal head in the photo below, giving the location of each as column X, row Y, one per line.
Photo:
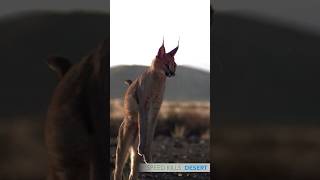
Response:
column 165, row 61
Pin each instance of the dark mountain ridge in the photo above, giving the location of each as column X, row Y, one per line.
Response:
column 27, row 40
column 270, row 72
column 188, row 84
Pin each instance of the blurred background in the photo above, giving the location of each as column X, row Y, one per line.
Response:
column 265, row 71
column 183, row 131
column 30, row 31
column 266, row 91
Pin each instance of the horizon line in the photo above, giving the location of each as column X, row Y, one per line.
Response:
column 185, row 65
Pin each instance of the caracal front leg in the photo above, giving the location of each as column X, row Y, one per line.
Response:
column 152, row 123
column 144, row 106
column 143, row 125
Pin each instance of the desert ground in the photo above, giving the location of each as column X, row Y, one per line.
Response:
column 22, row 152
column 182, row 136
column 238, row 152
column 272, row 152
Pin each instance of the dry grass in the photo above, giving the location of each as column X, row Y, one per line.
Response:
column 266, row 153
column 182, row 135
column 22, row 152
column 177, row 119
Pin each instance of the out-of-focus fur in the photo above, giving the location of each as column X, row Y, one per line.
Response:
column 75, row 130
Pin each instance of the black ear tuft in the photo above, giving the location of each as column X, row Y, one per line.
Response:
column 174, row 51
column 59, row 64
column 161, row 52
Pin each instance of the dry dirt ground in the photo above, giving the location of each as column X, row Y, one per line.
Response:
column 182, row 136
column 266, row 153
column 174, row 150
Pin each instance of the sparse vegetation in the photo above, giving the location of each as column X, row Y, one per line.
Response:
column 182, row 136
column 22, row 152
column 176, row 118
column 266, row 153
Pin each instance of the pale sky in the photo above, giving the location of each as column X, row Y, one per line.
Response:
column 137, row 28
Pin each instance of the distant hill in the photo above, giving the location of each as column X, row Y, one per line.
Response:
column 27, row 39
column 188, row 84
column 270, row 71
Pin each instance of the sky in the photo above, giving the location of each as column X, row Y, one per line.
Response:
column 138, row 27
column 303, row 12
column 172, row 19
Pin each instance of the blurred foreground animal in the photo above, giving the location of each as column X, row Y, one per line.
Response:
column 76, row 126
column 142, row 103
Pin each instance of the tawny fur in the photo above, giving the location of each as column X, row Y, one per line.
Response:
column 75, row 130
column 142, row 103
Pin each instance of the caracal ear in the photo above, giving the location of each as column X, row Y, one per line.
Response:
column 162, row 51
column 128, row 82
column 174, row 51
column 59, row 65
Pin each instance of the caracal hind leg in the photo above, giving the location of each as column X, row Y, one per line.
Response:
column 135, row 160
column 121, row 152
column 126, row 137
